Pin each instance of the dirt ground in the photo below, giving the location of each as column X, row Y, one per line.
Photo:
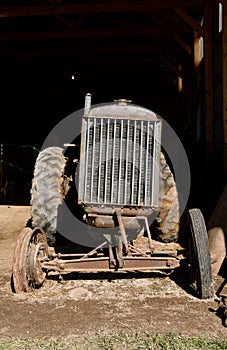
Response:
column 84, row 304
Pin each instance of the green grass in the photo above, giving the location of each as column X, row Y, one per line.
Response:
column 121, row 342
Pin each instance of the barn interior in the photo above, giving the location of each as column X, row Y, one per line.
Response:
column 168, row 56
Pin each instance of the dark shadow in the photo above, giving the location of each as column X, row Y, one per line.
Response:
column 220, row 288
column 221, row 311
column 223, row 270
column 107, row 276
column 182, row 277
column 12, row 284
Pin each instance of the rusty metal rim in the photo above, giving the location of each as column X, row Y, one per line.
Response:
column 17, row 271
column 35, row 270
column 24, row 270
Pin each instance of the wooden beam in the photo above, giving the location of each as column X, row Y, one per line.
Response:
column 171, row 66
column 196, row 57
column 171, row 35
column 124, row 6
column 224, row 65
column 80, row 68
column 59, row 18
column 196, row 51
column 182, row 43
column 89, row 51
column 9, row 66
column 208, row 60
column 190, row 20
column 92, row 33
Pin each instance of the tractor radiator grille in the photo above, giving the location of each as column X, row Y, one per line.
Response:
column 119, row 162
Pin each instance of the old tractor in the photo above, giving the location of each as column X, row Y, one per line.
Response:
column 115, row 183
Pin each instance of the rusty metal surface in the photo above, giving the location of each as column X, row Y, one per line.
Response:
column 217, row 247
column 19, row 256
column 153, row 263
column 122, row 229
column 107, row 221
column 90, row 264
column 31, row 247
column 37, row 254
column 33, row 260
column 131, row 211
column 122, row 110
column 103, row 264
column 125, row 256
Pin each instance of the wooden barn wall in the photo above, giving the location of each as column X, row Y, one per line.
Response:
column 217, row 88
column 224, row 81
column 209, row 129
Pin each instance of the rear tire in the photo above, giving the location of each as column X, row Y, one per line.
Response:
column 47, row 191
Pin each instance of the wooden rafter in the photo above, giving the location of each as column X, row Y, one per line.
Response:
column 190, row 20
column 124, row 6
column 65, row 66
column 81, row 51
column 171, row 35
column 59, row 18
column 182, row 43
column 171, row 66
column 102, row 33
